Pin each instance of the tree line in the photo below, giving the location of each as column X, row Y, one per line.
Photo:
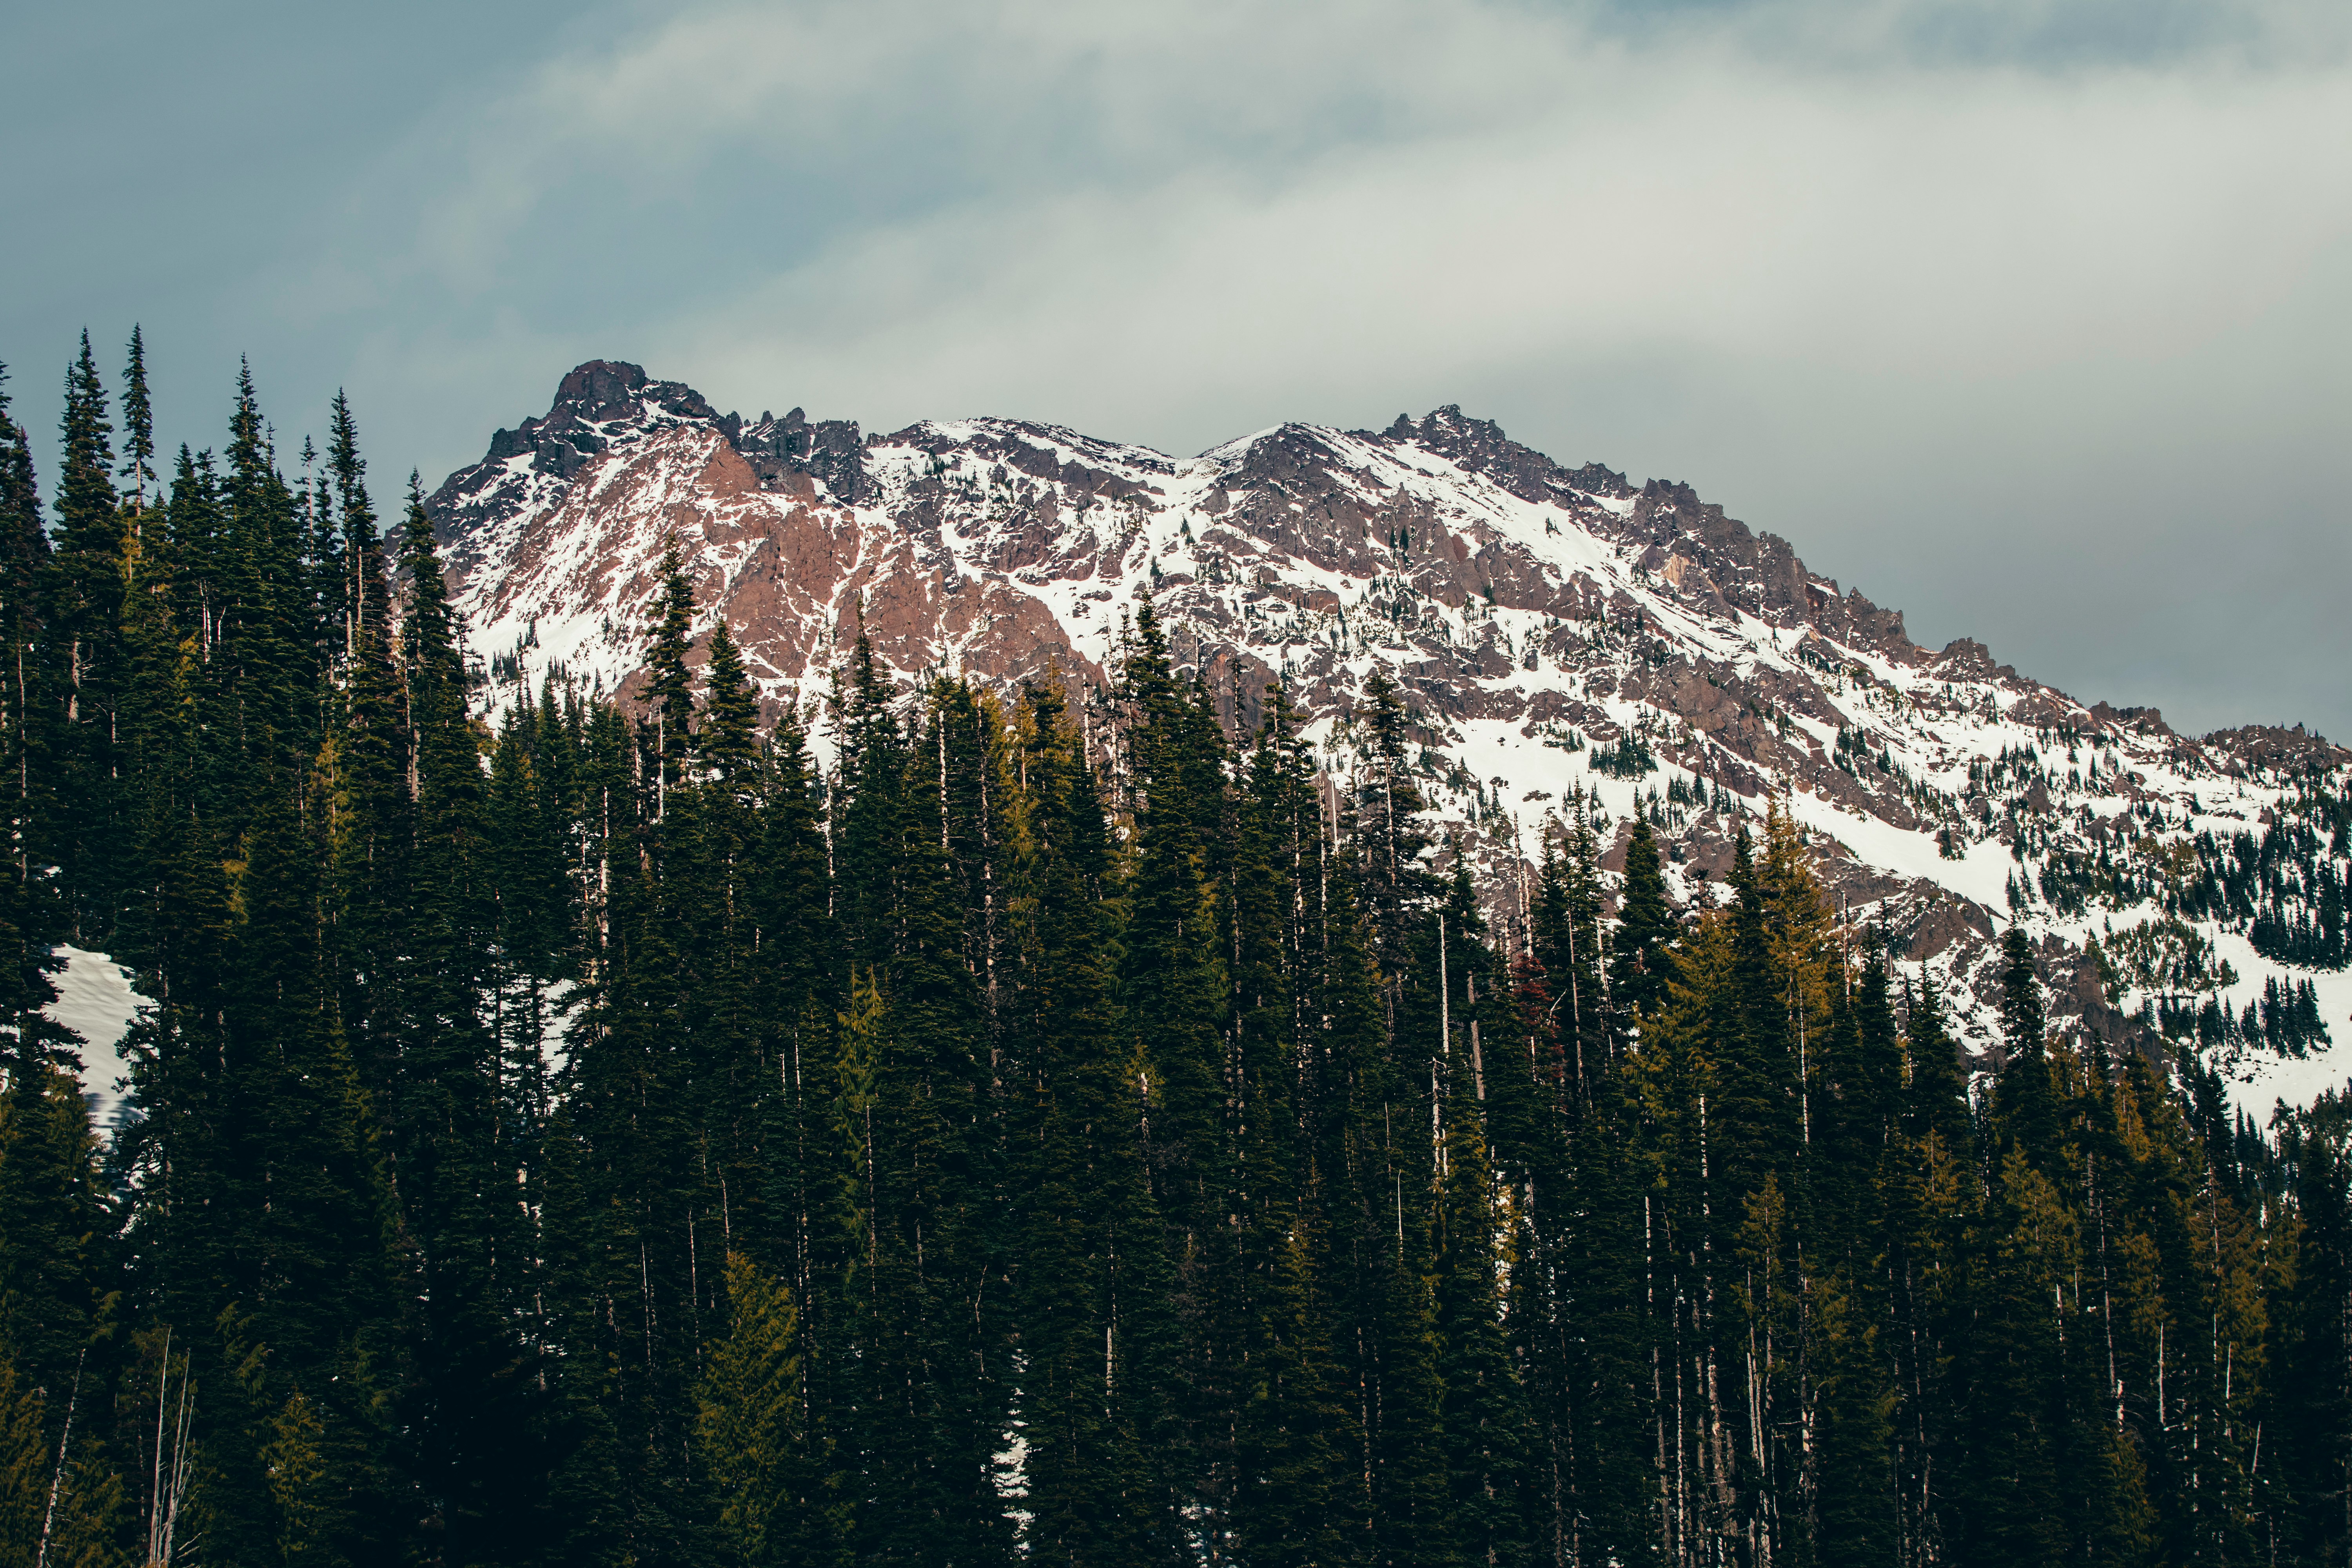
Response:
column 1054, row 1130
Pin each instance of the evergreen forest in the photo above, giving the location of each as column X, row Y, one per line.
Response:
column 1054, row 1130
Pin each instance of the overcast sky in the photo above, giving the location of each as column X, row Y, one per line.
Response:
column 2030, row 317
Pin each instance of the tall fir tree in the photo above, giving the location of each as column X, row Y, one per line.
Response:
column 83, row 617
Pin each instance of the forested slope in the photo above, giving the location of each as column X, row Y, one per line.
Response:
column 1055, row 1133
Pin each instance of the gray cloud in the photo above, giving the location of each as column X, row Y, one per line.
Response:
column 2028, row 317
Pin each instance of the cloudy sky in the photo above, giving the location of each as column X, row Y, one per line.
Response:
column 2031, row 318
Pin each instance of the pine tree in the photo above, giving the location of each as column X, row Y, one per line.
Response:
column 933, row 1220
column 138, row 432
column 2312, row 1408
column 61, row 1498
column 1565, row 928
column 83, row 646
column 535, row 908
column 1379, row 1150
column 747, row 1429
column 2010, row 1502
column 1760, row 1125
column 1606, row 1243
column 56, row 1227
column 24, row 559
column 789, row 894
column 725, row 744
column 2025, row 1106
column 1938, row 1101
column 1296, row 1436
column 669, row 695
column 1933, row 1196
column 1292, row 1489
column 1638, row 965
column 31, row 920
column 267, row 643
column 628, row 1186
column 366, row 760
column 1855, row 1514
column 1391, row 841
column 310, row 1330
column 453, row 1151
column 1175, row 984
column 1097, row 1347
column 1488, row 1436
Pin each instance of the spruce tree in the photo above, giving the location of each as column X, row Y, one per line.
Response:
column 725, row 742
column 1855, row 1516
column 138, row 427
column 1098, row 1344
column 2312, row 1401
column 2025, row 1107
column 1488, row 1439
column 1638, row 963
column 55, row 1224
column 1286, row 1486
column 366, row 759
column 629, row 1186
column 748, row 1428
column 1936, row 1101
column 1175, row 986
column 309, row 1332
column 453, row 1151
column 32, row 921
column 1391, row 841
column 1933, row 1195
column 83, row 646
column 1565, row 928
column 1760, row 1121
column 669, row 695
column 23, row 558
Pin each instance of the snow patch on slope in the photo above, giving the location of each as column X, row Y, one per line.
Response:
column 95, row 1000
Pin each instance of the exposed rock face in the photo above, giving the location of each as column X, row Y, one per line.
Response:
column 1540, row 619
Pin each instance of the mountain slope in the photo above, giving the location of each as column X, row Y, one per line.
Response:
column 1570, row 643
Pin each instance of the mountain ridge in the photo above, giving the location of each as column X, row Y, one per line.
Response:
column 1569, row 642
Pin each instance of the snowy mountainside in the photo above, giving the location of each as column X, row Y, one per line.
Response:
column 1569, row 642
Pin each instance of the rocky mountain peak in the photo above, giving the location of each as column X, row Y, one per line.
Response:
column 599, row 389
column 1571, row 644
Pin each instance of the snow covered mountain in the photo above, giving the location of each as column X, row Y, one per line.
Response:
column 1571, row 642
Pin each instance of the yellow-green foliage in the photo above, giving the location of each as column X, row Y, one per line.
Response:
column 748, row 1394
